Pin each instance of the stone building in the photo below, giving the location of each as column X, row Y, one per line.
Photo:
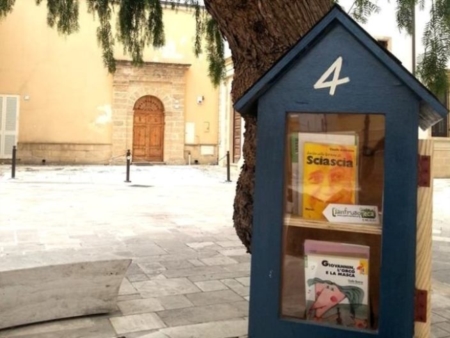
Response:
column 58, row 102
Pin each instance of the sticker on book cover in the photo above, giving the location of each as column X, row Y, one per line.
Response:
column 349, row 213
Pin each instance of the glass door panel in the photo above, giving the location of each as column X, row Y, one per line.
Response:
column 332, row 227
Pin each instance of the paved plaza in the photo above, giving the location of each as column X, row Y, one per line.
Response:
column 190, row 273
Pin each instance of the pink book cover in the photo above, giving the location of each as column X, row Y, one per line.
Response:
column 337, row 283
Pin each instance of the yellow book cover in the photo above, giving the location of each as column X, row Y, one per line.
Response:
column 329, row 177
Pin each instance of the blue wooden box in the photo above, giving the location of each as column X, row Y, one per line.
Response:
column 369, row 80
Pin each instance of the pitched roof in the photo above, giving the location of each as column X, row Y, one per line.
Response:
column 431, row 110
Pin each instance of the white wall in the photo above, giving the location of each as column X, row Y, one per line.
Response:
column 384, row 24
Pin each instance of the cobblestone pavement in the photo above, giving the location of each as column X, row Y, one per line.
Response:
column 190, row 274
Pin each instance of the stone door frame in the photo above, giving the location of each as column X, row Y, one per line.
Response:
column 165, row 81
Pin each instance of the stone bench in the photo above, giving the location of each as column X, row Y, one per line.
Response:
column 48, row 286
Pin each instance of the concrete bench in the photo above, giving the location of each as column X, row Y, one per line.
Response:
column 48, row 286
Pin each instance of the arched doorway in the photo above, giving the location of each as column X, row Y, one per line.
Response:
column 148, row 130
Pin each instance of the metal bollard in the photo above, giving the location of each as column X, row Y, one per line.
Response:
column 13, row 167
column 228, row 167
column 128, row 165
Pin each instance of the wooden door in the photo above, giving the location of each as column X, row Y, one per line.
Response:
column 148, row 131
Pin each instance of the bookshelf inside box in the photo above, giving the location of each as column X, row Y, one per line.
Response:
column 369, row 134
column 297, row 221
column 297, row 230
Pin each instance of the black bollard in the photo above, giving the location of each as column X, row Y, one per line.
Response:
column 128, row 165
column 13, row 167
column 228, row 167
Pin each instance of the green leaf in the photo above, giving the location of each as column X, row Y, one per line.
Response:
column 432, row 70
column 63, row 14
column 216, row 52
column 362, row 9
column 6, row 6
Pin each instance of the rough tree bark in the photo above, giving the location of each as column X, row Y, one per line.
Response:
column 258, row 33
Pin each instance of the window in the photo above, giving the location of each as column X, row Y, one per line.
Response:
column 9, row 114
column 385, row 42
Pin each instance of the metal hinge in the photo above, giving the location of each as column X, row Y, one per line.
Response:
column 420, row 305
column 424, row 170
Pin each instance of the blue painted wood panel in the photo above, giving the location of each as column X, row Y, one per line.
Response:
column 431, row 110
column 372, row 89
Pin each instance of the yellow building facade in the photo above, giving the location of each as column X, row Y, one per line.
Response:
column 59, row 104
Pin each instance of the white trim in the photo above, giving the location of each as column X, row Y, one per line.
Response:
column 241, row 158
column 225, row 121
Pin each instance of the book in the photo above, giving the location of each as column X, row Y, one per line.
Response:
column 337, row 283
column 329, row 175
column 322, row 138
column 294, row 199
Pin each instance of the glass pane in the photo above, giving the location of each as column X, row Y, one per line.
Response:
column 334, row 173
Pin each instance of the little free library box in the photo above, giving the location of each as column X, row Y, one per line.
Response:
column 336, row 195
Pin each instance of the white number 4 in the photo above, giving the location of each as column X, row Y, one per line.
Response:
column 336, row 81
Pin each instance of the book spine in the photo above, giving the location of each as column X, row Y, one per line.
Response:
column 295, row 173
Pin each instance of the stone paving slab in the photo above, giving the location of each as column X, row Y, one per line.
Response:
column 190, row 274
column 212, row 285
column 136, row 306
column 136, row 323
column 223, row 329
column 175, row 302
column 204, row 314
column 213, row 297
column 95, row 327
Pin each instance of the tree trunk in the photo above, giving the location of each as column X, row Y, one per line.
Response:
column 258, row 33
